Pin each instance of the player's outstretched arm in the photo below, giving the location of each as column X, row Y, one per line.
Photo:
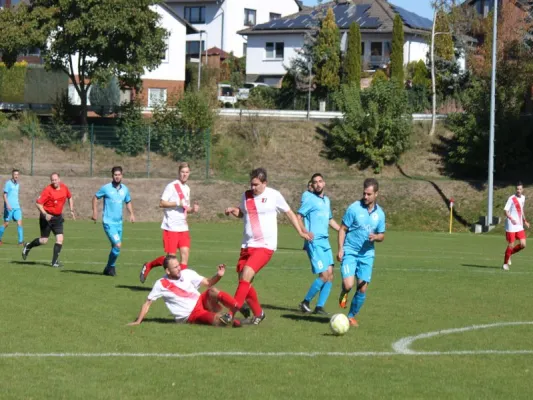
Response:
column 340, row 241
column 235, row 211
column 334, row 224
column 144, row 310
column 294, row 222
column 129, row 206
column 95, row 209
column 209, row 282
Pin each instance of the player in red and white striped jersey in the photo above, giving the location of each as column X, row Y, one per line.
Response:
column 176, row 203
column 514, row 224
column 259, row 207
column 179, row 290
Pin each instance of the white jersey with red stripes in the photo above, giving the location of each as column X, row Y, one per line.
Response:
column 180, row 295
column 515, row 207
column 175, row 219
column 261, row 218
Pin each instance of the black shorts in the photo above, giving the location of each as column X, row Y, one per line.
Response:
column 55, row 225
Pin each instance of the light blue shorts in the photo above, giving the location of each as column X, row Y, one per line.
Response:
column 14, row 215
column 114, row 233
column 320, row 255
column 358, row 266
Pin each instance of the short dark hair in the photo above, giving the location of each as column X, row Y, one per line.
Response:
column 14, row 170
column 259, row 173
column 54, row 173
column 316, row 175
column 167, row 260
column 519, row 183
column 371, row 182
column 115, row 169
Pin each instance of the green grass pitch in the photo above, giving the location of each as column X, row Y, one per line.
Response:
column 422, row 283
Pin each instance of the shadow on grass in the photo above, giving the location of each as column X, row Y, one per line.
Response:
column 306, row 318
column 279, row 308
column 444, row 198
column 134, row 288
column 81, row 272
column 480, row 266
column 159, row 320
column 290, row 248
column 33, row 263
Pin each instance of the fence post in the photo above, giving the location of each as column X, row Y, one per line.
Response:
column 148, row 150
column 32, row 147
column 207, row 151
column 92, row 151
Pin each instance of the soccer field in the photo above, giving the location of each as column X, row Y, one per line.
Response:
column 441, row 320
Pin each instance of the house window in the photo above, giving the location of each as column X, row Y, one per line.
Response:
column 165, row 58
column 249, row 17
column 192, row 48
column 32, row 51
column 195, row 15
column 274, row 16
column 362, row 48
column 275, row 50
column 156, row 97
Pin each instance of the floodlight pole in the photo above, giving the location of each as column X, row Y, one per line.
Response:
column 488, row 222
column 310, row 65
column 200, row 61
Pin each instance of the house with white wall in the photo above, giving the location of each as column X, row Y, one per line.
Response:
column 273, row 45
column 169, row 78
column 220, row 20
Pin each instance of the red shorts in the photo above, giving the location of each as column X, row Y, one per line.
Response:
column 201, row 313
column 512, row 236
column 172, row 241
column 255, row 257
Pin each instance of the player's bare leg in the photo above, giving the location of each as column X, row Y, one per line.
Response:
column 347, row 285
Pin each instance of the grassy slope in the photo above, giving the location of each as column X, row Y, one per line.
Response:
column 291, row 152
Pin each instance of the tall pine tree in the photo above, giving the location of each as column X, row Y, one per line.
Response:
column 397, row 50
column 326, row 56
column 352, row 59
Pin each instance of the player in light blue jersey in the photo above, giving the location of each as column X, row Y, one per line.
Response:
column 315, row 216
column 363, row 224
column 12, row 210
column 115, row 194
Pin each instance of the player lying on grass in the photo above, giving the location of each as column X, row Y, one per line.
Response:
column 179, row 290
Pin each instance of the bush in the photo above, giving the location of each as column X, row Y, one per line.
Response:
column 12, row 82
column 29, row 125
column 262, row 98
column 379, row 76
column 60, row 131
column 131, row 130
column 418, row 98
column 376, row 127
column 105, row 98
column 181, row 132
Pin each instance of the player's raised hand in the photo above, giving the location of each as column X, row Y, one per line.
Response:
column 228, row 210
column 221, row 269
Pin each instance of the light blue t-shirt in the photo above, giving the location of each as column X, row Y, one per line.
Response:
column 360, row 224
column 316, row 212
column 12, row 191
column 114, row 197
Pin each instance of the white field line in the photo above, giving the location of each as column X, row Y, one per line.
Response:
column 403, row 346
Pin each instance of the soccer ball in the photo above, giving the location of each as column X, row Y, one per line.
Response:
column 339, row 324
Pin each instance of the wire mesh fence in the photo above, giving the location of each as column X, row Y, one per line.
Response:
column 91, row 151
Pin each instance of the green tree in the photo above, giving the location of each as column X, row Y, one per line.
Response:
column 93, row 40
column 105, row 98
column 326, row 56
column 352, row 59
column 444, row 49
column 20, row 31
column 397, row 50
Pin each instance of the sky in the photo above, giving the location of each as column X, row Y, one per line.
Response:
column 420, row 7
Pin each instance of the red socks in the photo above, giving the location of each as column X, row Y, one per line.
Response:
column 155, row 263
column 253, row 302
column 510, row 251
column 183, row 266
column 229, row 302
column 517, row 248
column 242, row 292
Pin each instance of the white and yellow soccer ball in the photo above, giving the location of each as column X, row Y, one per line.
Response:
column 339, row 324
